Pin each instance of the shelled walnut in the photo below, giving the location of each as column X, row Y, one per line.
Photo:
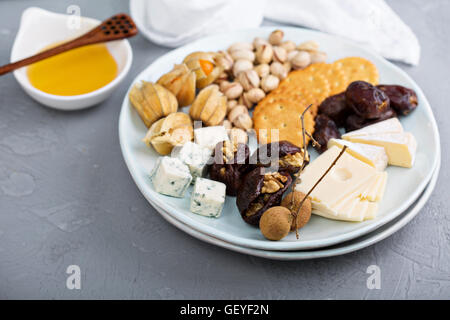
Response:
column 282, row 155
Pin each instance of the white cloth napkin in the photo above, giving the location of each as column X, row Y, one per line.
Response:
column 369, row 22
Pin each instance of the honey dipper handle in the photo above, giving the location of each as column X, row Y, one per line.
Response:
column 44, row 55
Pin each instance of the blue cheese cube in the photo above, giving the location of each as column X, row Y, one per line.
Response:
column 194, row 156
column 208, row 197
column 171, row 177
column 208, row 137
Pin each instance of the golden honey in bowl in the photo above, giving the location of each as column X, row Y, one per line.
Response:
column 78, row 71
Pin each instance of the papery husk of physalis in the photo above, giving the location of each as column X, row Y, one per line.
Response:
column 166, row 133
column 210, row 106
column 205, row 67
column 181, row 82
column 152, row 101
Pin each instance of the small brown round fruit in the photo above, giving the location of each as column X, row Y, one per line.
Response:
column 305, row 212
column 275, row 223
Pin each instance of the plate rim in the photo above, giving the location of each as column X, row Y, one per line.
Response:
column 264, row 244
column 340, row 249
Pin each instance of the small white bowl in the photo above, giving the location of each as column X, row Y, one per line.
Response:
column 40, row 28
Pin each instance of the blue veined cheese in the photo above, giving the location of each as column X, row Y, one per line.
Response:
column 208, row 137
column 194, row 156
column 208, row 197
column 171, row 177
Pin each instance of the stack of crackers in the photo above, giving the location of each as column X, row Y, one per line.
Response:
column 278, row 116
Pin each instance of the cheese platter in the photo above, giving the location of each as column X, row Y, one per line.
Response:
column 355, row 167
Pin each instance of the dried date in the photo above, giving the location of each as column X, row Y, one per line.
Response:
column 282, row 154
column 355, row 122
column 336, row 108
column 260, row 191
column 324, row 130
column 403, row 100
column 366, row 100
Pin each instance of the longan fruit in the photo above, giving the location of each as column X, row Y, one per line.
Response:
column 305, row 212
column 275, row 223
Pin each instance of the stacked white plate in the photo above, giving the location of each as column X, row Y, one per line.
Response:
column 407, row 190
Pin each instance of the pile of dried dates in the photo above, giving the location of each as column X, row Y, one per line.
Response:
column 362, row 104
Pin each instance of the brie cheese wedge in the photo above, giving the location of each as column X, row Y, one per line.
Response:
column 391, row 125
column 372, row 155
column 400, row 147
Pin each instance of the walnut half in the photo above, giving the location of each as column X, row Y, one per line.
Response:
column 294, row 159
column 273, row 182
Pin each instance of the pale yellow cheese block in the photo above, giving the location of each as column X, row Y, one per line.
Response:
column 343, row 179
column 375, row 191
column 372, row 211
column 359, row 206
column 356, row 210
column 339, row 195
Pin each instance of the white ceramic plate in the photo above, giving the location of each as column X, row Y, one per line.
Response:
column 403, row 188
column 343, row 248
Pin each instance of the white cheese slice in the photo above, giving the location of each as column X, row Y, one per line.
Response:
column 344, row 193
column 371, row 212
column 337, row 212
column 367, row 191
column 391, row 125
column 376, row 193
column 372, row 190
column 400, row 147
column 344, row 178
column 356, row 210
column 374, row 156
column 209, row 137
column 351, row 208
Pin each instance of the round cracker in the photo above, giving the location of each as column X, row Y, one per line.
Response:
column 357, row 68
column 284, row 116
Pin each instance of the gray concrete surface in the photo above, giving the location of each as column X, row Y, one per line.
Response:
column 66, row 197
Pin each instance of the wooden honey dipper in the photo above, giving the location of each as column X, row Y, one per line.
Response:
column 119, row 26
